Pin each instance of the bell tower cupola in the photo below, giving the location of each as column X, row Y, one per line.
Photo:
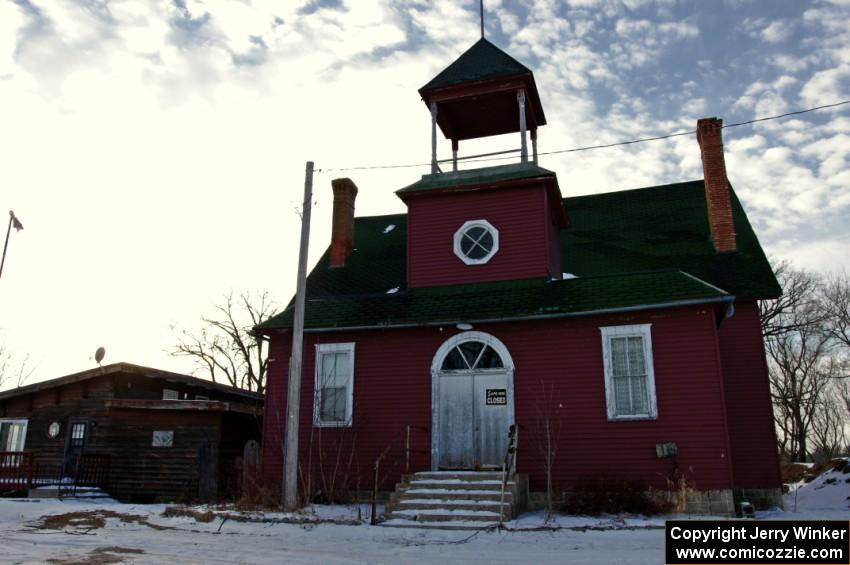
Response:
column 484, row 92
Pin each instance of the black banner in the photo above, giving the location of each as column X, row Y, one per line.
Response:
column 765, row 542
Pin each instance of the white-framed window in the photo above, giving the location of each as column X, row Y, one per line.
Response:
column 476, row 242
column 13, row 435
column 162, row 438
column 629, row 374
column 168, row 394
column 334, row 398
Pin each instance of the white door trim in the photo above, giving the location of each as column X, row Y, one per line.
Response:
column 437, row 363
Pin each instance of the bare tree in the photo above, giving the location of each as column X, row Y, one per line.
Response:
column 836, row 299
column 12, row 370
column 828, row 435
column 800, row 290
column 807, row 337
column 800, row 370
column 549, row 423
column 225, row 348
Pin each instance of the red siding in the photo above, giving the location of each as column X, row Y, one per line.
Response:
column 754, row 453
column 553, row 235
column 521, row 216
column 393, row 389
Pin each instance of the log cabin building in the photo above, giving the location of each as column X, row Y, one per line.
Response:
column 619, row 330
column 141, row 434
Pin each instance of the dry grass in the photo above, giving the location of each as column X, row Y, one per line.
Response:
column 91, row 520
column 99, row 556
column 177, row 512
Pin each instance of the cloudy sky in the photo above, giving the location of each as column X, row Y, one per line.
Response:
column 154, row 151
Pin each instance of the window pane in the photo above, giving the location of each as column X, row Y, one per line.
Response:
column 470, row 351
column 636, row 360
column 619, row 362
column 490, row 359
column 334, row 369
column 639, row 400
column 13, row 436
column 476, row 242
column 454, row 361
column 333, row 401
column 622, row 403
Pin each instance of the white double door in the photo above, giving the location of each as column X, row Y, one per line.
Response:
column 475, row 412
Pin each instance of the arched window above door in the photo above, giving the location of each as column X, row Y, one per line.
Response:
column 472, row 351
column 471, row 356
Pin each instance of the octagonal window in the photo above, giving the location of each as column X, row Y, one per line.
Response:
column 476, row 242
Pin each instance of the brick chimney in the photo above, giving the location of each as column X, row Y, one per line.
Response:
column 717, row 193
column 342, row 230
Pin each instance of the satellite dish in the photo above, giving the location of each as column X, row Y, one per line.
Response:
column 99, row 354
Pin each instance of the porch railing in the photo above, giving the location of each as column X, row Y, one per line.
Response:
column 16, row 470
column 508, row 467
column 19, row 470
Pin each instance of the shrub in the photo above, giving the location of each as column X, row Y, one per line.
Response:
column 612, row 495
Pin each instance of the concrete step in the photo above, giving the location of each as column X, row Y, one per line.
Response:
column 455, row 525
column 451, row 500
column 459, row 475
column 455, row 494
column 456, row 484
column 407, row 505
column 445, row 515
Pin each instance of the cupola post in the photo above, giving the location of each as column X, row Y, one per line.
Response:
column 534, row 145
column 520, row 96
column 434, row 168
column 454, row 154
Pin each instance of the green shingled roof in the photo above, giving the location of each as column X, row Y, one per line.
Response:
column 633, row 248
column 662, row 227
column 484, row 175
column 531, row 298
column 482, row 61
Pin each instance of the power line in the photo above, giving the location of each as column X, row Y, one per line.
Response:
column 590, row 147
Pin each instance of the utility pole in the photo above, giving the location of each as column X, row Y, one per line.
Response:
column 293, row 397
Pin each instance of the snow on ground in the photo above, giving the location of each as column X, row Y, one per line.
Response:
column 105, row 531
column 830, row 491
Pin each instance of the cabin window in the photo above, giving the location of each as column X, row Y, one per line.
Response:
column 199, row 397
column 78, row 434
column 168, row 394
column 334, row 398
column 476, row 242
column 13, row 435
column 163, row 438
column 629, row 374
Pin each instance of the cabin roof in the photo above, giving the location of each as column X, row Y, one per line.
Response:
column 129, row 368
column 645, row 247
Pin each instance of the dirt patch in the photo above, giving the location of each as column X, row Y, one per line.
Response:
column 176, row 512
column 91, row 520
column 99, row 556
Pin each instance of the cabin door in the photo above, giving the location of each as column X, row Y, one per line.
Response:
column 78, row 432
column 473, row 397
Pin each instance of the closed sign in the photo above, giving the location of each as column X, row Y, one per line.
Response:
column 497, row 397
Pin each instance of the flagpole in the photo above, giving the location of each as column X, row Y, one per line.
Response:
column 18, row 226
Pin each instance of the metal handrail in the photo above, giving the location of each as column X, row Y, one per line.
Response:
column 508, row 467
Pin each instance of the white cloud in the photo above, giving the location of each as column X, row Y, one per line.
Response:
column 170, row 145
